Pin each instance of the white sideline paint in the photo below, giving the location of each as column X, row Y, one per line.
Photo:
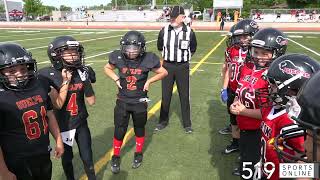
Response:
column 31, row 39
column 311, row 37
column 23, row 31
column 295, row 36
column 316, row 53
column 287, row 32
column 88, row 40
column 100, row 54
column 18, row 35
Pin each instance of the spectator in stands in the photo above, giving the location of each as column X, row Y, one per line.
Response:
column 228, row 18
column 222, row 23
column 278, row 16
column 259, row 15
column 293, row 13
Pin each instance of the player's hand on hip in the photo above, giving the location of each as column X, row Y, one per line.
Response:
column 146, row 86
column 66, row 75
column 7, row 175
column 224, row 95
column 59, row 150
column 118, row 84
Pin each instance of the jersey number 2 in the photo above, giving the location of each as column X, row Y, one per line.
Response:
column 32, row 129
column 72, row 106
column 131, row 80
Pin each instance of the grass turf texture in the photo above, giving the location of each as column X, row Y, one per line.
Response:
column 170, row 154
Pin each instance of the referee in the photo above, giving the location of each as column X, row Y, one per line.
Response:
column 178, row 43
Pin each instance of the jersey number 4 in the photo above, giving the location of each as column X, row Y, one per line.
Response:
column 32, row 129
column 72, row 106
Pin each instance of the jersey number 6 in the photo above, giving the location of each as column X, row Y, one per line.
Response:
column 32, row 129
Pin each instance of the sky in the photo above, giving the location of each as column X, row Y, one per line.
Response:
column 74, row 3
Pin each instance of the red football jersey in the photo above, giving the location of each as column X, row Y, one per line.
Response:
column 236, row 61
column 274, row 123
column 246, row 94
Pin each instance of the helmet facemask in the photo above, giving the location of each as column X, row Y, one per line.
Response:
column 18, row 82
column 70, row 56
column 262, row 57
column 132, row 50
column 242, row 40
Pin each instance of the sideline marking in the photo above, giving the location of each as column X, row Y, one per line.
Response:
column 305, row 47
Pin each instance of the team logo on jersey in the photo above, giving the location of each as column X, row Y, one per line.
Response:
column 281, row 40
column 288, row 67
column 254, row 24
column 266, row 130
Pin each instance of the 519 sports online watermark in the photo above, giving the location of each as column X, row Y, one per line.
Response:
column 285, row 170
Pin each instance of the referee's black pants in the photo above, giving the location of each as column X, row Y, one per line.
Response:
column 179, row 73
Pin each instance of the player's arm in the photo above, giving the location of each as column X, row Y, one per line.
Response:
column 55, row 131
column 58, row 98
column 237, row 108
column 89, row 93
column 5, row 174
column 109, row 71
column 225, row 75
column 160, row 74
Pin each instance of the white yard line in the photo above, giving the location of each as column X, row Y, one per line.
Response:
column 316, row 53
column 18, row 35
column 31, row 39
column 88, row 40
column 100, row 54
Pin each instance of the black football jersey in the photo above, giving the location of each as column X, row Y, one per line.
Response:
column 74, row 111
column 24, row 128
column 133, row 74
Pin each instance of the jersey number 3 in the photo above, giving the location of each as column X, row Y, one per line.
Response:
column 32, row 129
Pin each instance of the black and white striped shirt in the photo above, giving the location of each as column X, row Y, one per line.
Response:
column 177, row 45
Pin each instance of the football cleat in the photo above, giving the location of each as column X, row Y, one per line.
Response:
column 160, row 127
column 137, row 161
column 226, row 130
column 233, row 147
column 115, row 164
column 188, row 130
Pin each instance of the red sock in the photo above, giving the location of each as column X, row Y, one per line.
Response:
column 116, row 146
column 139, row 143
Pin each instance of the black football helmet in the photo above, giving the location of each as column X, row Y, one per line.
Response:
column 12, row 55
column 229, row 41
column 244, row 27
column 58, row 46
column 308, row 118
column 288, row 72
column 269, row 39
column 133, row 45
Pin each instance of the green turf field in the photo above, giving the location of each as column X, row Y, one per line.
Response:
column 170, row 154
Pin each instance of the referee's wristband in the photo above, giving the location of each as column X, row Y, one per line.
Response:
column 117, row 80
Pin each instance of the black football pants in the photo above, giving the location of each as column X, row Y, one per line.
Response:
column 83, row 139
column 231, row 96
column 31, row 168
column 249, row 144
column 122, row 112
column 179, row 73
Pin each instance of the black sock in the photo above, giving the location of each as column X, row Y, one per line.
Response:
column 235, row 141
